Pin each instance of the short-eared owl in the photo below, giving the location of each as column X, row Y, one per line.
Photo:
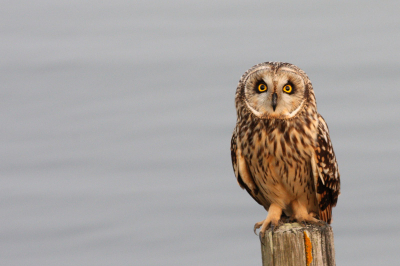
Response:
column 281, row 150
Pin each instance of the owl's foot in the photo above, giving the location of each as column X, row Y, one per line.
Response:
column 273, row 217
column 316, row 221
column 301, row 215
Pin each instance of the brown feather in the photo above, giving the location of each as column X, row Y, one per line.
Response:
column 328, row 185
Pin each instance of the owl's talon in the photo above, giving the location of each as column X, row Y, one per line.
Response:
column 258, row 225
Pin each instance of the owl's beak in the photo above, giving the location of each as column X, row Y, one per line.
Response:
column 274, row 98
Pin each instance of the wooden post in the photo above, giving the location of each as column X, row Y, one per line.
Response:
column 292, row 244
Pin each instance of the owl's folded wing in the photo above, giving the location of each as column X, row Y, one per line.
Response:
column 325, row 172
column 242, row 173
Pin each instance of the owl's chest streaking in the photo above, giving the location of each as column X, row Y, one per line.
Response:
column 278, row 153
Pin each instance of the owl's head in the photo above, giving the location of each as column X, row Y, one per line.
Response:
column 274, row 90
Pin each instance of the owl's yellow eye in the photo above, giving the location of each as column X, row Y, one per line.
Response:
column 262, row 87
column 287, row 88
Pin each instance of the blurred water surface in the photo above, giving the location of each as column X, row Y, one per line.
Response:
column 117, row 116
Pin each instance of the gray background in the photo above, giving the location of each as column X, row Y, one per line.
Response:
column 116, row 118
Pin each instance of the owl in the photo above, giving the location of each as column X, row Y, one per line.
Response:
column 281, row 150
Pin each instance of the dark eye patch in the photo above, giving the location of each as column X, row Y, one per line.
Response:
column 261, row 86
column 293, row 88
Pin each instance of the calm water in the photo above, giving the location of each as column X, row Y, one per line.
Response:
column 117, row 116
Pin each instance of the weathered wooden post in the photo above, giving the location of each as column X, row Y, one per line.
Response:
column 293, row 244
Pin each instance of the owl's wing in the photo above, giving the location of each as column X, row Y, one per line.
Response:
column 326, row 172
column 242, row 173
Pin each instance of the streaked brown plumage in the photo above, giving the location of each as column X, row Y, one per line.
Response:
column 281, row 149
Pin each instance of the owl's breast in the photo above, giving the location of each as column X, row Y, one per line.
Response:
column 279, row 159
